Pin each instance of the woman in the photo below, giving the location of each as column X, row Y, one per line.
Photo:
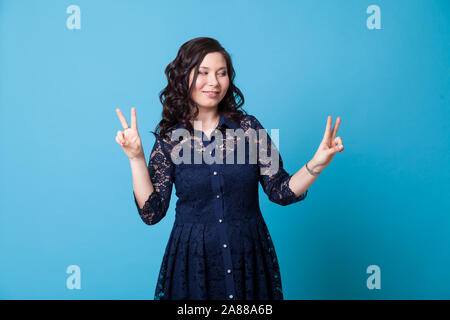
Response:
column 219, row 247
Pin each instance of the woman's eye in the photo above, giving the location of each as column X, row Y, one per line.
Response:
column 222, row 74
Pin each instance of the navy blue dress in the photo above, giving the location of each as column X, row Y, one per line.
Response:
column 219, row 247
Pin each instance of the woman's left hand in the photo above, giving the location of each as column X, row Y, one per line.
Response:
column 328, row 147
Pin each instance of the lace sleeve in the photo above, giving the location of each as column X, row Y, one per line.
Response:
column 275, row 182
column 160, row 169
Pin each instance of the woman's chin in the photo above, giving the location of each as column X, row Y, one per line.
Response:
column 208, row 105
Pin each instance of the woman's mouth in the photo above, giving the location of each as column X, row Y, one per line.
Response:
column 211, row 94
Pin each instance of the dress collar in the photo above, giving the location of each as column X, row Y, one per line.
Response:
column 222, row 121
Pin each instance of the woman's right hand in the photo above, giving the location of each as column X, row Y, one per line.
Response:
column 129, row 139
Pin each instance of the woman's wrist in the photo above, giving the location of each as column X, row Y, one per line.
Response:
column 138, row 158
column 313, row 166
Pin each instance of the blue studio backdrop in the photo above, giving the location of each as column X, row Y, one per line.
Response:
column 375, row 223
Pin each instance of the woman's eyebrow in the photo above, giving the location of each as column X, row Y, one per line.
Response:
column 217, row 69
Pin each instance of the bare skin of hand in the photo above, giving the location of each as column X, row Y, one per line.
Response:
column 329, row 146
column 129, row 138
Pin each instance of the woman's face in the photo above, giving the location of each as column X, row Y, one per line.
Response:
column 212, row 76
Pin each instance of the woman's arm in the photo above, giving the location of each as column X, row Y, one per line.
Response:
column 152, row 184
column 142, row 185
column 302, row 179
column 273, row 177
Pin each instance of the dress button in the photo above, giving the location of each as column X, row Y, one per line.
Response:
column 218, row 196
column 224, row 245
column 215, row 172
column 230, row 296
column 220, row 220
column 229, row 270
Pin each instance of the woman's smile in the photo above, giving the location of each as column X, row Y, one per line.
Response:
column 211, row 94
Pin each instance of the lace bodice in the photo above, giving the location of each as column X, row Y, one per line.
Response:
column 162, row 169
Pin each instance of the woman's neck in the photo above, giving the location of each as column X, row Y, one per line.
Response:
column 208, row 118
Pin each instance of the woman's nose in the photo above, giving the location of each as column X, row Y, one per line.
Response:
column 212, row 79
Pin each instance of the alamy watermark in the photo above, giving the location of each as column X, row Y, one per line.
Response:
column 74, row 20
column 374, row 20
column 258, row 142
column 374, row 280
column 74, row 280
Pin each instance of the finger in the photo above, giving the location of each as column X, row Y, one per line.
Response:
column 122, row 119
column 123, row 138
column 133, row 118
column 326, row 135
column 332, row 151
column 120, row 137
column 335, row 127
column 119, row 140
column 338, row 144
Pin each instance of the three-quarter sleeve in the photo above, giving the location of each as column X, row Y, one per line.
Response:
column 275, row 183
column 160, row 169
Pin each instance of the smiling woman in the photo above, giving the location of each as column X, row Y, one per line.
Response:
column 219, row 247
column 199, row 86
column 214, row 92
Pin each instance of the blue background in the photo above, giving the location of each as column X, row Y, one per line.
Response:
column 66, row 187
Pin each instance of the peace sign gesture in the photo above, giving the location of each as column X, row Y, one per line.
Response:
column 129, row 138
column 329, row 145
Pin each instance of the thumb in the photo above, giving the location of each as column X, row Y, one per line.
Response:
column 337, row 148
column 124, row 139
column 332, row 151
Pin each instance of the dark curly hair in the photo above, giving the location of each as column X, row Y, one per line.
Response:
column 176, row 96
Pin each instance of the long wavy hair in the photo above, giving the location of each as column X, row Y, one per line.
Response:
column 176, row 96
